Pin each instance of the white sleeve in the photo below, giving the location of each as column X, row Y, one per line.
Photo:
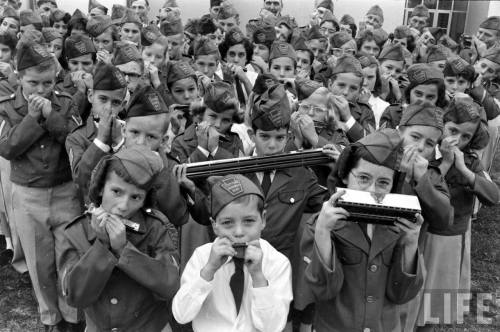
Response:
column 193, row 291
column 270, row 304
column 349, row 123
column 101, row 145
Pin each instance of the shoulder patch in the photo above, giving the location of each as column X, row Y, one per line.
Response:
column 7, row 98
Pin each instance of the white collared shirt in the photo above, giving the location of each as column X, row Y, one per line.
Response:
column 210, row 304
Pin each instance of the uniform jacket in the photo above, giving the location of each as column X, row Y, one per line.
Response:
column 365, row 283
column 463, row 195
column 36, row 148
column 67, row 85
column 130, row 292
column 391, row 116
column 293, row 191
column 84, row 156
column 483, row 98
column 365, row 121
column 184, row 146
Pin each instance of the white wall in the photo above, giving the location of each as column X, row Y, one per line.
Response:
column 301, row 9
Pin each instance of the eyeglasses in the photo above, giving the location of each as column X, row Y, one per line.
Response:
column 364, row 181
column 306, row 108
column 338, row 52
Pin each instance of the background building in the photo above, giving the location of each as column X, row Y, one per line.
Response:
column 457, row 16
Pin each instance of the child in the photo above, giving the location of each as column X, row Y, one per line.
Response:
column 211, row 138
column 35, row 122
column 359, row 272
column 436, row 56
column 81, row 57
column 283, row 63
column 392, row 64
column 206, row 58
column 103, row 34
column 259, row 280
column 345, row 82
column 426, row 87
column 128, row 59
column 130, row 28
column 172, row 28
column 9, row 22
column 58, row 20
column 8, row 79
column 119, row 258
column 465, row 130
column 263, row 37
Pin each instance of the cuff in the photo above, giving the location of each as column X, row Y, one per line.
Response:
column 349, row 123
column 260, row 298
column 205, row 152
column 101, row 145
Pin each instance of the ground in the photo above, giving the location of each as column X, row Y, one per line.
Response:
column 18, row 311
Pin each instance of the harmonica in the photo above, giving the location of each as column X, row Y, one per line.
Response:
column 244, row 165
column 375, row 208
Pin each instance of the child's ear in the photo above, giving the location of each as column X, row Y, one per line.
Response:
column 251, row 134
column 344, row 180
column 214, row 226
column 90, row 95
column 264, row 216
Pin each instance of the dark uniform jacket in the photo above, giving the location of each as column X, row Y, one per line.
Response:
column 365, row 283
column 391, row 116
column 127, row 293
column 36, row 148
column 293, row 191
column 85, row 155
column 463, row 195
column 365, row 121
column 67, row 85
column 184, row 146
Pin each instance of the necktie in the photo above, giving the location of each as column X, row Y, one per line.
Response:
column 364, row 229
column 266, row 182
column 237, row 282
column 239, row 91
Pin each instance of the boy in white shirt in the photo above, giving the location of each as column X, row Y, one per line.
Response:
column 239, row 282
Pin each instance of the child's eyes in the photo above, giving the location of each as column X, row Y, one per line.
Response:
column 136, row 197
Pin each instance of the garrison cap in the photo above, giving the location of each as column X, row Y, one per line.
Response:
column 98, row 24
column 146, row 101
column 420, row 11
column 50, row 34
column 287, row 20
column 170, row 4
column 376, row 10
column 27, row 17
column 31, row 36
column 149, row 34
column 140, row 163
column 327, row 4
column 461, row 110
column 422, row 115
column 306, row 87
column 420, row 73
column 214, row 3
column 347, row 20
column 228, row 189
column 205, row 46
column 264, row 82
column 233, row 37
column 130, row 17
column 31, row 54
column 95, row 4
column 125, row 52
column 493, row 54
column 436, row 53
column 219, row 97
column 392, row 52
column 107, row 77
column 271, row 110
column 339, row 38
column 437, row 33
column 300, row 45
column 264, row 35
column 313, row 33
column 41, row 2
column 205, row 25
column 117, row 12
column 491, row 23
column 171, row 25
column 57, row 15
column 78, row 45
column 78, row 17
column 348, row 64
column 282, row 50
column 329, row 17
column 402, row 31
column 226, row 11
column 179, row 70
column 458, row 66
column 9, row 12
column 366, row 59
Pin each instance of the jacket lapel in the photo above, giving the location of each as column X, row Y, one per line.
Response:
column 353, row 234
column 383, row 236
column 281, row 178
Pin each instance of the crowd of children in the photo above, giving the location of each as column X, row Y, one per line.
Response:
column 101, row 114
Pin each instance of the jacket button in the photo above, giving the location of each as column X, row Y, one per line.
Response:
column 366, row 329
column 42, row 146
column 373, row 268
column 370, row 299
column 114, row 301
column 114, row 330
column 292, row 200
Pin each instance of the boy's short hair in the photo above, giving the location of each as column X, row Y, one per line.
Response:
column 232, row 188
column 9, row 40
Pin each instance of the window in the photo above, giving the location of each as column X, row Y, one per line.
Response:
column 447, row 14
